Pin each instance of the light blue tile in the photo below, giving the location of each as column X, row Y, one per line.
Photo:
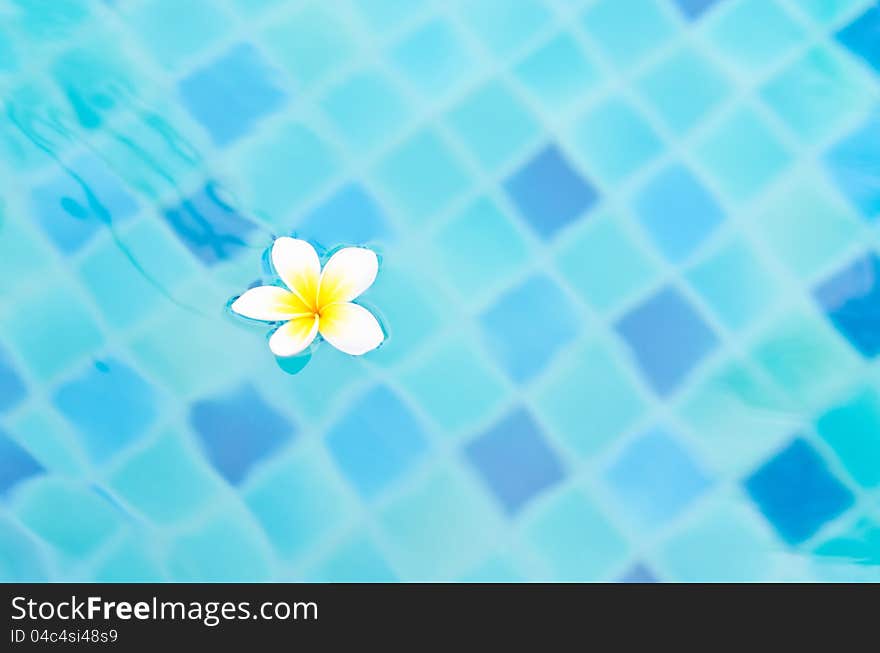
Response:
column 434, row 57
column 501, row 26
column 356, row 560
column 628, row 30
column 558, row 72
column 753, row 34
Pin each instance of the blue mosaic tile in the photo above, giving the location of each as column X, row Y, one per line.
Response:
column 434, row 57
column 854, row 168
column 78, row 202
column 357, row 560
column 624, row 40
column 528, row 326
column 558, row 72
column 638, row 573
column 503, row 27
column 383, row 15
column 797, row 493
column 515, row 461
column 110, row 404
column 21, row 560
column 656, row 479
column 549, row 192
column 678, row 211
column 16, row 464
column 667, row 337
column 210, row 229
column 851, row 299
column 174, row 32
column 12, row 387
column 861, row 36
column 238, row 430
column 232, row 93
column 694, row 9
column 377, row 441
column 752, row 34
column 852, row 430
column 351, row 216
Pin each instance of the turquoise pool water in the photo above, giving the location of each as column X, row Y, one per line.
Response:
column 629, row 278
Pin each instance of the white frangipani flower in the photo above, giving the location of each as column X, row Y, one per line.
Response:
column 316, row 301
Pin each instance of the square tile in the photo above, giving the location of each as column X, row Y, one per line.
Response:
column 230, row 95
column 677, row 211
column 753, row 34
column 549, row 192
column 366, row 110
column 383, row 15
column 628, row 30
column 695, row 9
column 860, row 37
column 735, row 283
column 851, row 299
column 299, row 501
column 742, row 155
column 479, row 248
column 12, row 388
column 854, row 167
column 797, row 493
column 575, row 540
column 852, row 429
column 684, row 88
column 434, row 57
column 590, row 402
column 238, row 430
column 356, row 560
column 655, row 479
column 818, row 92
column 558, row 72
column 638, row 573
column 454, row 385
column 377, row 441
column 422, row 176
column 615, row 140
column 110, row 405
column 351, row 216
column 668, row 339
column 605, row 263
column 16, row 464
column 528, row 326
column 515, row 461
column 503, row 27
column 493, row 124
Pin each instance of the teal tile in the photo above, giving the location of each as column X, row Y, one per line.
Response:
column 605, row 264
column 589, row 401
column 130, row 561
column 185, row 487
column 743, row 155
column 684, row 88
column 355, row 560
column 735, row 283
column 23, row 254
column 497, row 569
column 818, row 92
column 439, row 527
column 366, row 109
column 173, row 32
column 41, row 432
column 828, row 12
column 807, row 226
column 34, row 329
column 434, row 57
column 615, row 140
column 383, row 15
column 626, row 41
column 493, row 124
column 502, row 26
column 753, row 34
column 21, row 556
column 422, row 176
column 480, row 248
column 454, row 384
column 852, row 430
column 558, row 72
column 299, row 500
column 575, row 540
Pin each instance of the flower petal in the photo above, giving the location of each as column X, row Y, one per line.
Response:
column 296, row 262
column 350, row 328
column 269, row 304
column 348, row 273
column 292, row 337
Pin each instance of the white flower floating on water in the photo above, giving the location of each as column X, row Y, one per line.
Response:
column 316, row 301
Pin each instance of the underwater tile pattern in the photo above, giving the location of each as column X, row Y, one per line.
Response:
column 629, row 272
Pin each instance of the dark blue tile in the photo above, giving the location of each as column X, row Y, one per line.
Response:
column 73, row 206
column 851, row 299
column 862, row 36
column 694, row 9
column 668, row 338
column 12, row 388
column 514, row 460
column 855, row 167
column 208, row 227
column 238, row 429
column 528, row 325
column 638, row 573
column 549, row 192
column 377, row 441
column 797, row 493
column 350, row 217
column 232, row 93
column 109, row 404
column 677, row 211
column 16, row 464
